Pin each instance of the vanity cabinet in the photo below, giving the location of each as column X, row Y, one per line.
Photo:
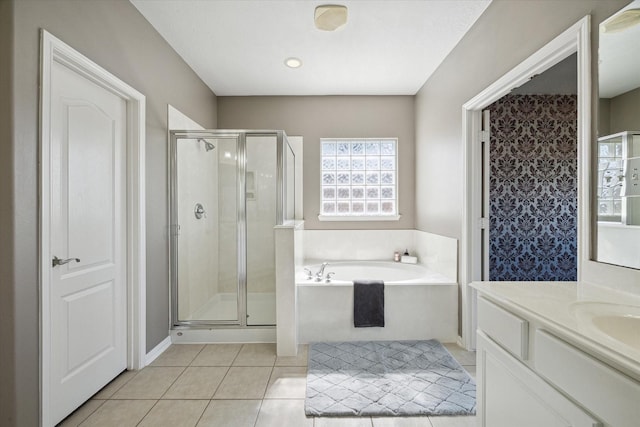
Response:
column 544, row 359
column 509, row 392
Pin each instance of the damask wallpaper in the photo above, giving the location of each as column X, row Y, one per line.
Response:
column 533, row 188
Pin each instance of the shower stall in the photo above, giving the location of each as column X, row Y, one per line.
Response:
column 228, row 190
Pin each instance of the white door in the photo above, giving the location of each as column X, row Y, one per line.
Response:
column 88, row 323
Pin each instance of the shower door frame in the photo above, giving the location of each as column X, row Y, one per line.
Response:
column 174, row 228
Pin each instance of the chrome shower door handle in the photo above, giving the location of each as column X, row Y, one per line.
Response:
column 57, row 261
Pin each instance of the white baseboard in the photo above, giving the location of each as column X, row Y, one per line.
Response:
column 157, row 351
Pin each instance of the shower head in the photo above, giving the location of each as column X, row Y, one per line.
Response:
column 207, row 145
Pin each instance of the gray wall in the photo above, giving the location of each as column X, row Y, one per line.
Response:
column 507, row 33
column 114, row 35
column 7, row 323
column 561, row 79
column 604, row 117
column 625, row 112
column 315, row 117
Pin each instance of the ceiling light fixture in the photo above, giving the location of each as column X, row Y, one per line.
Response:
column 621, row 22
column 330, row 17
column 293, row 62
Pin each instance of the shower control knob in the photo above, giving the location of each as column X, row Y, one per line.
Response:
column 199, row 211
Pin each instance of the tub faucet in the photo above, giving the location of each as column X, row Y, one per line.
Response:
column 321, row 272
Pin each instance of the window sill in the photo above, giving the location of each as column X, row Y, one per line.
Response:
column 359, row 218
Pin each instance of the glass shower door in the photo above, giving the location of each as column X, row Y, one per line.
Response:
column 205, row 190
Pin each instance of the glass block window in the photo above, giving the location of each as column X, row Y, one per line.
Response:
column 610, row 179
column 359, row 177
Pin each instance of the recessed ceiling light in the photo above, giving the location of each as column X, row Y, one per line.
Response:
column 621, row 22
column 293, row 62
column 330, row 17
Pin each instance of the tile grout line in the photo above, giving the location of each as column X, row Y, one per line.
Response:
column 227, row 373
column 255, row 423
column 196, row 356
column 221, row 380
column 266, row 388
column 184, row 369
column 202, row 414
column 88, row 415
column 147, row 413
column 236, row 356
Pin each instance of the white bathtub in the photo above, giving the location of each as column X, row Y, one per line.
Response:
column 419, row 303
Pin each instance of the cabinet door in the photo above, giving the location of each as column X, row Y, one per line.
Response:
column 510, row 394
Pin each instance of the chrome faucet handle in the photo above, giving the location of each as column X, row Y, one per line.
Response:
column 329, row 276
column 308, row 273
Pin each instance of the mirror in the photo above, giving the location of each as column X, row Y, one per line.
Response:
column 617, row 163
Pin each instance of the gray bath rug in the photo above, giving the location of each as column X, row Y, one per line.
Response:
column 386, row 378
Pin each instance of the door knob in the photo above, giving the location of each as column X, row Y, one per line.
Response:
column 57, row 261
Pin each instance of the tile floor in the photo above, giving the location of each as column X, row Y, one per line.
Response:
column 228, row 385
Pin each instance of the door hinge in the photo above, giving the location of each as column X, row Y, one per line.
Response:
column 484, row 136
column 174, row 229
column 483, row 223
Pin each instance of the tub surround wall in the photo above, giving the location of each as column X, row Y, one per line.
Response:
column 438, row 253
column 618, row 244
column 339, row 245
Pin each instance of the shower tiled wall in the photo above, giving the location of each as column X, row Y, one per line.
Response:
column 533, row 188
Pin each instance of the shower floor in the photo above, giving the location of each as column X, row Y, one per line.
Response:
column 261, row 308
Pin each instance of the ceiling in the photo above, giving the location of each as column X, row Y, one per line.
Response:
column 238, row 47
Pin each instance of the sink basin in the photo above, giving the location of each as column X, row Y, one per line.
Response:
column 617, row 322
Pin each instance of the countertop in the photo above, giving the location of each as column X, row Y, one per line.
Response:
column 558, row 305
